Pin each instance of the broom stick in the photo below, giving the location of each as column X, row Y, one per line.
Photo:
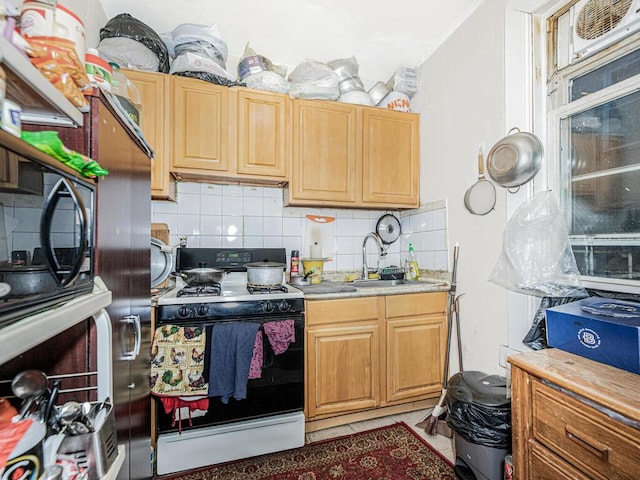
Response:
column 431, row 422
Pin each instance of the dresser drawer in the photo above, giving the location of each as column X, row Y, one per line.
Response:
column 544, row 465
column 594, row 443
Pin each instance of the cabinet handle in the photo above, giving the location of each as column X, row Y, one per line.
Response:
column 597, row 448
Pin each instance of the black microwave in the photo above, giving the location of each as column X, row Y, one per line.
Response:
column 47, row 224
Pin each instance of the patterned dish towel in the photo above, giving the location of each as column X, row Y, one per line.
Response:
column 280, row 335
column 177, row 365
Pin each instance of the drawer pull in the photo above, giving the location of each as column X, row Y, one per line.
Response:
column 598, row 449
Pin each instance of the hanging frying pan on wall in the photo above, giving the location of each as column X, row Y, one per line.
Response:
column 480, row 198
column 388, row 228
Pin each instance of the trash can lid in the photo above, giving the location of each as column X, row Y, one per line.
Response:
column 479, row 388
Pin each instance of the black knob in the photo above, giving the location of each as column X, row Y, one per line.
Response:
column 203, row 310
column 268, row 306
column 284, row 306
column 183, row 312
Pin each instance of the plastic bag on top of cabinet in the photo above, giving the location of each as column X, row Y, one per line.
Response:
column 536, row 257
column 128, row 53
column 311, row 79
column 124, row 25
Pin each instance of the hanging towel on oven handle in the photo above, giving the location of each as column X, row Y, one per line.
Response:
column 230, row 357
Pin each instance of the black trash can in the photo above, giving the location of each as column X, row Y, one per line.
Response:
column 479, row 413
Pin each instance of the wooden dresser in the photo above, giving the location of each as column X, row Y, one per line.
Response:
column 573, row 418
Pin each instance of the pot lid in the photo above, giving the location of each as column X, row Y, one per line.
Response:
column 265, row 265
column 388, row 228
column 161, row 262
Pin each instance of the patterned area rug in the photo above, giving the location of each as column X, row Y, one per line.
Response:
column 394, row 452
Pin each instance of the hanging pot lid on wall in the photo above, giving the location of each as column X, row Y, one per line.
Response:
column 388, row 228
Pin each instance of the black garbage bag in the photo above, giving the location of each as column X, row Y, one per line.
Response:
column 124, row 25
column 536, row 337
column 479, row 410
column 211, row 78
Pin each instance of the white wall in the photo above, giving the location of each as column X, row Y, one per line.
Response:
column 461, row 102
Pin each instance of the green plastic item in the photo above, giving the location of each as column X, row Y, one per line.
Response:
column 49, row 142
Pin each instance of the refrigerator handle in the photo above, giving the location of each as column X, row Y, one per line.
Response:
column 134, row 322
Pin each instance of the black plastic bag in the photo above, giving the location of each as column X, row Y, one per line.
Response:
column 124, row 25
column 480, row 424
column 211, row 78
column 536, row 337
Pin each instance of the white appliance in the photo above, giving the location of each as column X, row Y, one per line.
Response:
column 596, row 24
column 271, row 417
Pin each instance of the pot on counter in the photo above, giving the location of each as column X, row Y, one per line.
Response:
column 28, row 280
column 265, row 273
column 202, row 275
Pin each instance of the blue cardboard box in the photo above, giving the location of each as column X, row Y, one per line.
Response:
column 602, row 329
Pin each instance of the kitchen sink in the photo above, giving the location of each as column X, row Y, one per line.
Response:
column 393, row 283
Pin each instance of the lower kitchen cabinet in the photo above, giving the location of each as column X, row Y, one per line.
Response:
column 365, row 353
column 573, row 418
column 415, row 341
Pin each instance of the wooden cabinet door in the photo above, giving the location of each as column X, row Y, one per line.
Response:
column 155, row 124
column 262, row 133
column 200, row 117
column 391, row 158
column 327, row 153
column 414, row 357
column 343, row 368
column 8, row 170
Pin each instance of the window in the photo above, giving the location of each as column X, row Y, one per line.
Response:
column 595, row 136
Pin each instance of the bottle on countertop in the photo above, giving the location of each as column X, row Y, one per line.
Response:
column 412, row 264
column 294, row 268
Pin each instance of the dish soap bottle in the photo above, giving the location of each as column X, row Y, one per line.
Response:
column 412, row 263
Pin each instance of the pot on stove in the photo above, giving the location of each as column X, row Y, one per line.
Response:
column 202, row 275
column 268, row 274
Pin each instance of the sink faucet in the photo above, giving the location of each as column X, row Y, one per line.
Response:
column 381, row 248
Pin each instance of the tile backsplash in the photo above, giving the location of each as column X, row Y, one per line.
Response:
column 233, row 216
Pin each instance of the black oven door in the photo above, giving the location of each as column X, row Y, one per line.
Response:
column 46, row 256
column 279, row 390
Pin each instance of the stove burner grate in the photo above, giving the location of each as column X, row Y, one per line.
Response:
column 201, row 291
column 258, row 289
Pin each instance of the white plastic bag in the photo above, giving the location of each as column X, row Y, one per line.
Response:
column 313, row 79
column 536, row 256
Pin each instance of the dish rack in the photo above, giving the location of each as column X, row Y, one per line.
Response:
column 391, row 272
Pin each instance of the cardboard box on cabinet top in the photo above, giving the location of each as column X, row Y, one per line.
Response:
column 602, row 329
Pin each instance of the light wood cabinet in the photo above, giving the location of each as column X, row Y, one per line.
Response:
column 353, row 156
column 260, row 137
column 343, row 341
column 154, row 91
column 415, row 340
column 366, row 353
column 573, row 418
column 200, row 116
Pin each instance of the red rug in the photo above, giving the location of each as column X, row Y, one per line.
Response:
column 394, row 452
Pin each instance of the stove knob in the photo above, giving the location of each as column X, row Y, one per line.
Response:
column 203, row 310
column 284, row 306
column 268, row 307
column 183, row 312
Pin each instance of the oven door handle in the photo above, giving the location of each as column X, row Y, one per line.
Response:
column 63, row 189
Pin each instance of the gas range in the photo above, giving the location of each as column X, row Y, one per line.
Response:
column 231, row 297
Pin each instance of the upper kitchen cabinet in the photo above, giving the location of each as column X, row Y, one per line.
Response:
column 327, row 154
column 200, row 127
column 261, row 134
column 391, row 158
column 352, row 156
column 154, row 93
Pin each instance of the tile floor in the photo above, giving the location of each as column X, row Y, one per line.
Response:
column 440, row 442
